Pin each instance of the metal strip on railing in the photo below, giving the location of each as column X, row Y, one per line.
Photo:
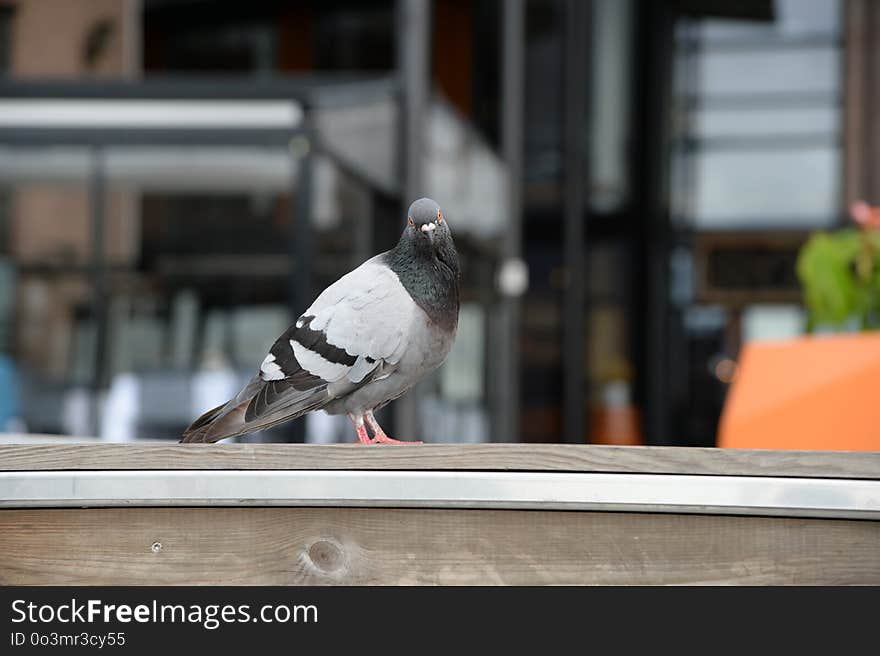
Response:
column 738, row 495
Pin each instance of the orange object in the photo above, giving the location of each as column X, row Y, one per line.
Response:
column 614, row 419
column 617, row 426
column 809, row 393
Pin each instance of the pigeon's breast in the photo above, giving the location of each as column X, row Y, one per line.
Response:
column 428, row 348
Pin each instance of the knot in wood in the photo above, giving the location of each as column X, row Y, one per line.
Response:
column 326, row 555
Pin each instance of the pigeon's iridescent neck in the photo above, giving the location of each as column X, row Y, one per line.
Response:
column 430, row 275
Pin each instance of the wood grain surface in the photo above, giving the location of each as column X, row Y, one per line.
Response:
column 263, row 546
column 479, row 457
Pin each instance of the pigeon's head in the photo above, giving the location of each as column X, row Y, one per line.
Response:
column 426, row 224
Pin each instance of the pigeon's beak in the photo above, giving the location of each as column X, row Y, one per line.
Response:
column 428, row 230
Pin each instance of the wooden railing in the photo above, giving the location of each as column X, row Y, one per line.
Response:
column 449, row 514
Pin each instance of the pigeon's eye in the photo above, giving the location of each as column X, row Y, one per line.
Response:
column 439, row 216
column 412, row 223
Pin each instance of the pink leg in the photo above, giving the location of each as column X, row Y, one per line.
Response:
column 359, row 427
column 379, row 436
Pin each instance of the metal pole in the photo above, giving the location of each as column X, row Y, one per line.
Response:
column 413, row 29
column 653, row 98
column 504, row 381
column 574, row 130
column 302, row 247
column 99, row 284
column 414, row 38
column 303, row 239
column 363, row 228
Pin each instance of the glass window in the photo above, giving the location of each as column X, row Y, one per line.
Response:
column 769, row 321
column 758, row 120
column 812, row 122
column 790, row 187
column 811, row 69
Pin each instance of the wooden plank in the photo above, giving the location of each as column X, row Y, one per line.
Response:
column 297, row 546
column 478, row 457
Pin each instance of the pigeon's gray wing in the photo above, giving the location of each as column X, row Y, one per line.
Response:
column 359, row 324
column 357, row 328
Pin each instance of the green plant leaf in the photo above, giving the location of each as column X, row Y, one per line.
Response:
column 833, row 292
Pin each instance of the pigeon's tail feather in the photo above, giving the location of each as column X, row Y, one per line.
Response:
column 201, row 422
column 214, row 425
column 233, row 419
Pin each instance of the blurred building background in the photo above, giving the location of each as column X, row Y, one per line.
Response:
column 628, row 182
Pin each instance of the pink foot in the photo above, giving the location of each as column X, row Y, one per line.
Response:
column 382, row 438
column 379, row 436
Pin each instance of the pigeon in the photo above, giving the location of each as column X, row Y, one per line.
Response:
column 365, row 341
